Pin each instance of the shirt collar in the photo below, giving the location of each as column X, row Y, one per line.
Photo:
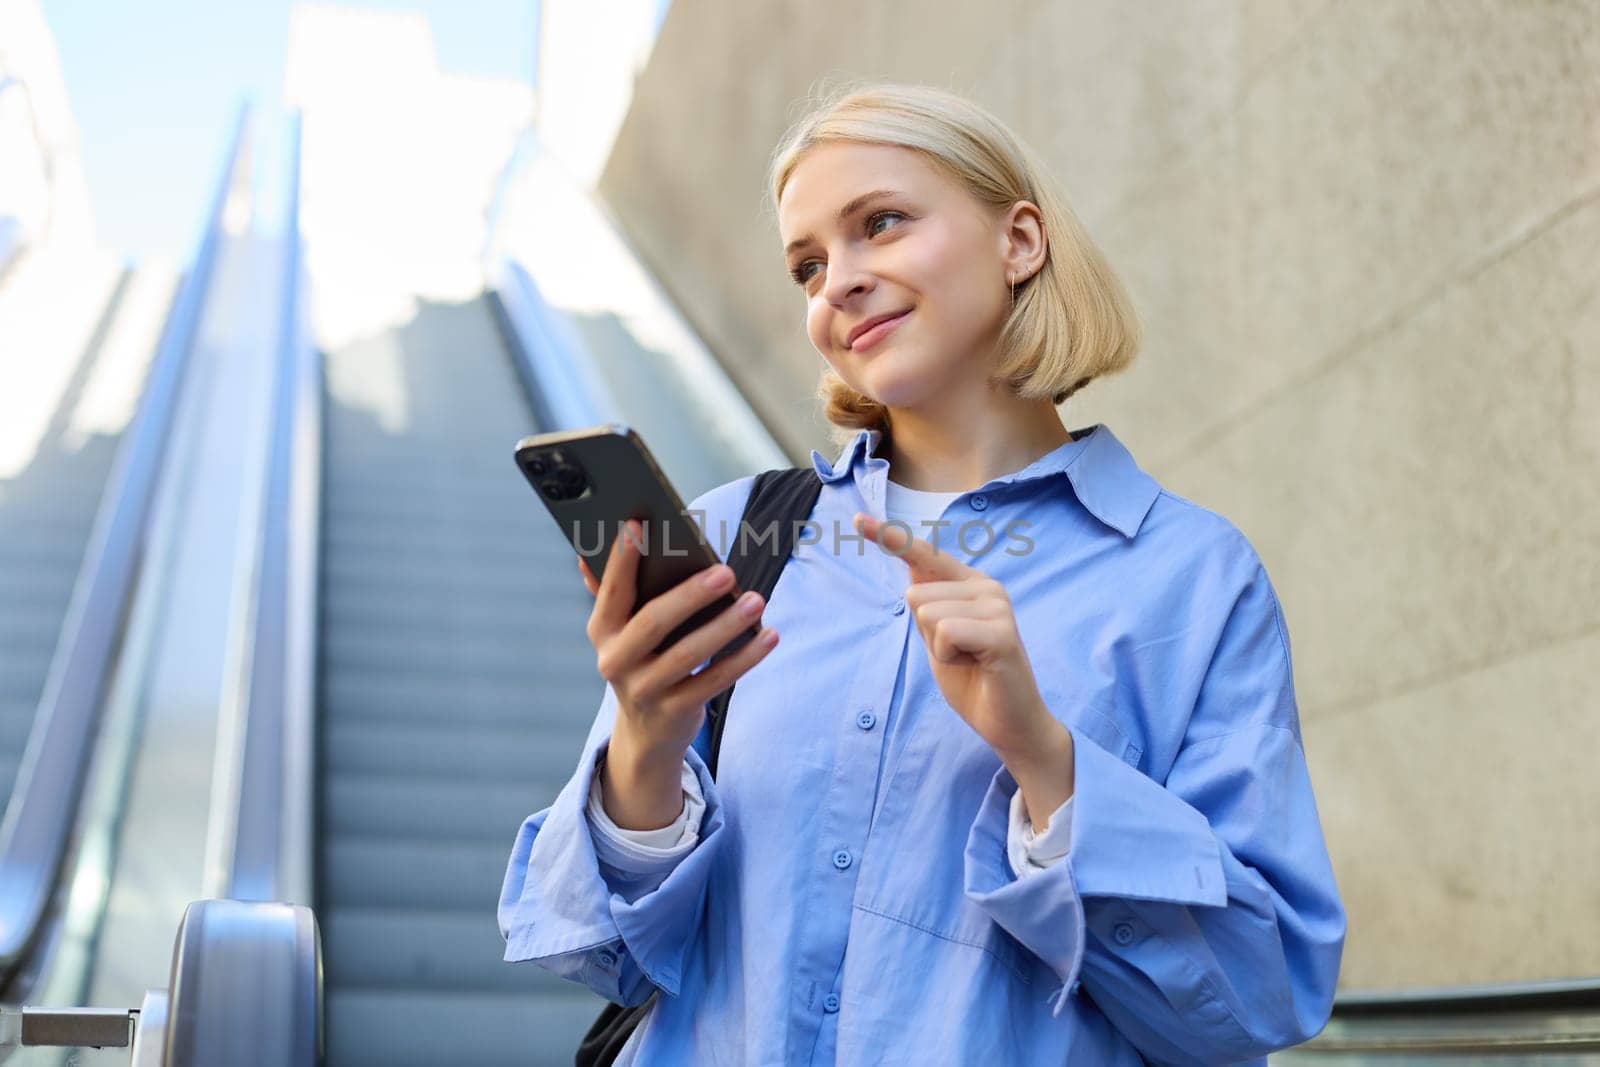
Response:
column 864, row 439
column 1103, row 474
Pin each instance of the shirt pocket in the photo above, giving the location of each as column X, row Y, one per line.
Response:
column 1088, row 715
column 969, row 930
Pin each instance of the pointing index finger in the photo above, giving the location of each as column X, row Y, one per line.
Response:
column 927, row 562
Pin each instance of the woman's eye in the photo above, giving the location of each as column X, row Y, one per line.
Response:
column 800, row 273
column 875, row 216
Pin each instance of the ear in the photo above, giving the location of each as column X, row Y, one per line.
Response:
column 1023, row 244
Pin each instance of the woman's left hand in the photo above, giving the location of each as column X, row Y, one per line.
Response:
column 974, row 650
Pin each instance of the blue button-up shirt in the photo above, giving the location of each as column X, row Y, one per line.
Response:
column 850, row 899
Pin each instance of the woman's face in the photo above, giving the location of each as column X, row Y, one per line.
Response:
column 924, row 247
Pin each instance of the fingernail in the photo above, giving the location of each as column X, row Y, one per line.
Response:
column 717, row 575
column 749, row 604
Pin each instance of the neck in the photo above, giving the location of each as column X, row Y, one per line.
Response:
column 944, row 455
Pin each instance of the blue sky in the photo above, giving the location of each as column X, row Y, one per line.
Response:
column 155, row 86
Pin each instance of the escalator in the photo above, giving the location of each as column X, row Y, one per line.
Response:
column 455, row 685
column 106, row 372
column 332, row 652
column 49, row 499
column 451, row 684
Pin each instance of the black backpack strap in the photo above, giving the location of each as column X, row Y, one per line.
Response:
column 779, row 499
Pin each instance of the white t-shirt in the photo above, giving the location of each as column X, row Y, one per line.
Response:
column 916, row 507
column 1028, row 854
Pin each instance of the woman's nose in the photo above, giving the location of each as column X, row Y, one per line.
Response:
column 845, row 279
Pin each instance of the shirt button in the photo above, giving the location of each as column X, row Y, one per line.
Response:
column 865, row 720
column 841, row 859
column 605, row 957
column 830, row 1003
column 979, row 502
column 1123, row 932
column 899, row 607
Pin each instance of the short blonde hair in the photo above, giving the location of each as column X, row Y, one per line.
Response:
column 1073, row 321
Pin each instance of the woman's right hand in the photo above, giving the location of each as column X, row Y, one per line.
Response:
column 660, row 704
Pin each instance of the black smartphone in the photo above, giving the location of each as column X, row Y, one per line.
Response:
column 592, row 481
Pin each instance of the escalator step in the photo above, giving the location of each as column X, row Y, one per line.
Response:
column 412, row 515
column 34, row 594
column 25, row 637
column 384, row 1028
column 515, row 656
column 371, row 873
column 434, row 810
column 464, row 537
column 455, row 691
column 403, row 615
column 528, row 754
column 59, row 550
column 415, row 949
column 369, row 602
column 403, row 555
column 8, row 774
column 383, row 696
column 17, row 711
column 443, row 584
column 22, row 675
column 16, row 719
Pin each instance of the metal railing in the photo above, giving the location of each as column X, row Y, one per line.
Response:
column 273, row 834
column 33, row 835
column 246, row 990
column 1484, row 1020
column 555, row 369
column 616, row 349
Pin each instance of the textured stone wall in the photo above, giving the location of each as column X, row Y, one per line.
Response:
column 1363, row 239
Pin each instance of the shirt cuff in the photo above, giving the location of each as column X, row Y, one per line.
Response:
column 1137, row 839
column 1029, row 853
column 646, row 851
column 1043, row 910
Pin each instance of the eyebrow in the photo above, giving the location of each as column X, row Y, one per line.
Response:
column 845, row 212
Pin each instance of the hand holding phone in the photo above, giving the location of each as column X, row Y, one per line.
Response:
column 655, row 617
column 660, row 704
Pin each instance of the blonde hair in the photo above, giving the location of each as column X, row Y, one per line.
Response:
column 1072, row 321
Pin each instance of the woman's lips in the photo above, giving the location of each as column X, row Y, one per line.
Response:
column 878, row 332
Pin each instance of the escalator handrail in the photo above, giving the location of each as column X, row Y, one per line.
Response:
column 246, row 987
column 560, row 373
column 38, row 819
column 1462, row 1019
column 272, row 825
column 1552, row 995
column 556, row 370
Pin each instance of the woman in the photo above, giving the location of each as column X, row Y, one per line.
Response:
column 1026, row 789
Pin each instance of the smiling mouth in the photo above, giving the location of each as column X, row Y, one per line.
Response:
column 870, row 337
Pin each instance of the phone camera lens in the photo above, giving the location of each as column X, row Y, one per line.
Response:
column 565, row 482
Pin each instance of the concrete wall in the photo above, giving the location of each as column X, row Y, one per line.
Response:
column 1362, row 239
